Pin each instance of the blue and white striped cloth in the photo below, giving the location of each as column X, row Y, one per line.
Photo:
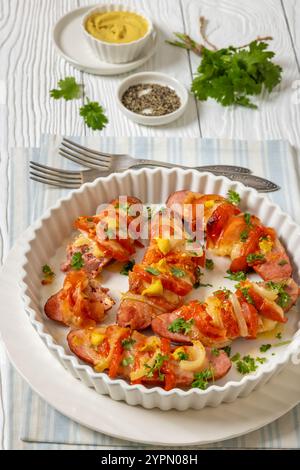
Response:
column 28, row 421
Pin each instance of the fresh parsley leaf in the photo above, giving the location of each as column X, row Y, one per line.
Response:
column 265, row 347
column 261, row 360
column 232, row 75
column 182, row 356
column 282, row 262
column 127, row 361
column 77, row 261
column 127, row 267
column 159, row 362
column 67, row 89
column 236, row 357
column 153, row 271
column 252, row 257
column 180, row 325
column 246, row 365
column 283, row 299
column 93, row 115
column 209, row 264
column 178, row 272
column 279, row 335
column 215, row 352
column 233, row 197
column 245, row 292
column 247, row 218
column 244, row 235
column 238, row 276
column 48, row 274
column 201, row 379
column 227, row 350
column 127, row 343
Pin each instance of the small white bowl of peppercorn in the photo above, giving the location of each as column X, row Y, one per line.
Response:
column 152, row 98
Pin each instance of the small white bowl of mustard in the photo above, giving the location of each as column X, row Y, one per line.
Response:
column 115, row 33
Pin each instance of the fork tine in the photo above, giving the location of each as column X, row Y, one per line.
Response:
column 46, row 170
column 85, row 153
column 53, row 183
column 82, row 161
column 78, row 146
column 58, row 180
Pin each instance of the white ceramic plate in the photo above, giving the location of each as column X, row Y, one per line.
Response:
column 71, row 44
column 72, row 398
column 152, row 186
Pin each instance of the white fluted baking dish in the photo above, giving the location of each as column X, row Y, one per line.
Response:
column 49, row 235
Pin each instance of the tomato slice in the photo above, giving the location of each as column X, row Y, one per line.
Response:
column 250, row 246
column 217, row 221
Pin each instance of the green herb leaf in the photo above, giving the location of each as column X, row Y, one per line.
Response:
column 127, row 343
column 67, row 89
column 128, row 266
column 247, row 218
column 201, row 379
column 159, row 361
column 215, row 352
column 246, row 365
column 77, row 261
column 265, row 347
column 245, row 292
column 233, row 197
column 236, row 357
column 232, row 75
column 93, row 115
column 283, row 299
column 153, row 271
column 261, row 360
column 244, row 235
column 238, row 276
column 282, row 262
column 47, row 270
column 227, row 350
column 180, row 325
column 279, row 335
column 127, row 361
column 209, row 264
column 178, row 272
column 182, row 356
column 252, row 257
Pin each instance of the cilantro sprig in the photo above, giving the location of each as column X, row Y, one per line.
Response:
column 67, row 89
column 93, row 115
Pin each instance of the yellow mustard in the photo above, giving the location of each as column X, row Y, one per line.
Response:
column 117, row 26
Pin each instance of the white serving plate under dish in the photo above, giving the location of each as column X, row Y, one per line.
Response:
column 46, row 245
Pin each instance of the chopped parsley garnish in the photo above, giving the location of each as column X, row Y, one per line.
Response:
column 48, row 274
column 178, row 272
column 158, row 363
column 244, row 235
column 89, row 219
column 236, row 357
column 233, row 197
column 247, row 218
column 261, row 360
column 127, row 343
column 201, row 379
column 279, row 335
column 245, row 292
column 283, row 299
column 198, row 283
column 180, row 325
column 282, row 262
column 265, row 347
column 127, row 267
column 227, row 350
column 127, row 361
column 215, row 352
column 77, row 261
column 153, row 271
column 209, row 264
column 238, row 276
column 252, row 257
column 246, row 365
column 182, row 356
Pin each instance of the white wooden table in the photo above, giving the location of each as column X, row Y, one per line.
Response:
column 30, row 67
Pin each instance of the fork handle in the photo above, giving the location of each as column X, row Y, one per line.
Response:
column 215, row 168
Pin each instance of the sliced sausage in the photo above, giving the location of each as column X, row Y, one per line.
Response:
column 277, row 265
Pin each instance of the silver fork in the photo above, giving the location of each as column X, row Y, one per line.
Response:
column 119, row 162
column 74, row 179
